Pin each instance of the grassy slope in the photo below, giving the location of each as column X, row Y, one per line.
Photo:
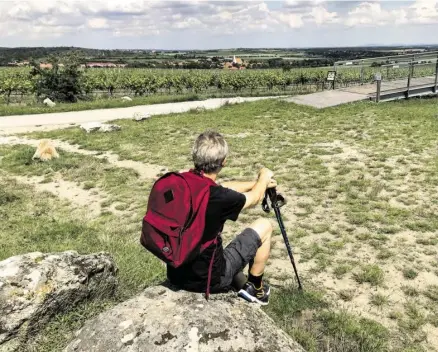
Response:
column 361, row 183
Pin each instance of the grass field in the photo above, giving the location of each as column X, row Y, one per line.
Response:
column 361, row 182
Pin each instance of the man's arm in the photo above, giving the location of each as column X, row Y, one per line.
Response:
column 256, row 194
column 239, row 186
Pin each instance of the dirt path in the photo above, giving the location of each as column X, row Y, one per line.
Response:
column 145, row 171
column 40, row 122
column 70, row 191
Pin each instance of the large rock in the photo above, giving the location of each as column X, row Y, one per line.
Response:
column 160, row 319
column 34, row 287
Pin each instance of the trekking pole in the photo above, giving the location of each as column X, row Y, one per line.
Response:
column 278, row 201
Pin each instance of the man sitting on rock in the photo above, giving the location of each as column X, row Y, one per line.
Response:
column 251, row 246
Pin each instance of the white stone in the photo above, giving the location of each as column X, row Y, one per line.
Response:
column 126, row 99
column 109, row 128
column 128, row 338
column 140, row 116
column 99, row 127
column 236, row 100
column 91, row 126
column 125, row 324
column 49, row 103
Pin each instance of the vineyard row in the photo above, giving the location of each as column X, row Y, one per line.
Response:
column 151, row 81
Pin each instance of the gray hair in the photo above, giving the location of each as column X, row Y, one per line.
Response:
column 209, row 152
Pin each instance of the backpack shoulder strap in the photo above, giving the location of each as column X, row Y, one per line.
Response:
column 193, row 176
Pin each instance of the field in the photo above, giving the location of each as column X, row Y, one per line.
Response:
column 141, row 82
column 361, row 183
column 103, row 88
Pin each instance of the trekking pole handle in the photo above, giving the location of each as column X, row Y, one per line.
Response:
column 277, row 200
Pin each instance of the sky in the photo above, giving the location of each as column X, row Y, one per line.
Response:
column 182, row 25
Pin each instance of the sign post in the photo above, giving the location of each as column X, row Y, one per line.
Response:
column 331, row 76
column 378, row 79
column 410, row 74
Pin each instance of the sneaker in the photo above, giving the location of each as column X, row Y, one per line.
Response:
column 257, row 295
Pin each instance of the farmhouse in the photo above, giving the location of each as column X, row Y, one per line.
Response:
column 237, row 60
column 235, row 64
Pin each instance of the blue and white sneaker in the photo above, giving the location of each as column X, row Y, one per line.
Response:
column 255, row 295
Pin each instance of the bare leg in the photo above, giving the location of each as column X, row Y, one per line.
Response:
column 264, row 229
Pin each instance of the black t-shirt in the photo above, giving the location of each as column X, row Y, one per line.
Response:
column 224, row 204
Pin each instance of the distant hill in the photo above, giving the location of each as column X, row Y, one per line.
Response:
column 41, row 53
column 207, row 59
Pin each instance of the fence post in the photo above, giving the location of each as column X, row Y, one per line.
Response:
column 361, row 74
column 435, row 89
column 409, row 79
column 378, row 79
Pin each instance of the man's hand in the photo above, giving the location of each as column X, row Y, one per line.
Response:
column 272, row 183
column 266, row 175
column 265, row 180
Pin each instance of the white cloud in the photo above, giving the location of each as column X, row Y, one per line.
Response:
column 293, row 20
column 372, row 13
column 322, row 16
column 136, row 17
column 142, row 18
column 425, row 11
column 98, row 23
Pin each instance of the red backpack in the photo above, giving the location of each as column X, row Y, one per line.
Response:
column 175, row 218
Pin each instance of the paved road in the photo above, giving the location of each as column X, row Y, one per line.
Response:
column 28, row 123
column 340, row 96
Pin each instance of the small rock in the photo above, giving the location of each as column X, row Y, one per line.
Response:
column 140, row 116
column 125, row 324
column 199, row 109
column 49, row 103
column 91, row 126
column 127, row 339
column 45, row 151
column 126, row 99
column 236, row 100
column 100, row 127
column 109, row 128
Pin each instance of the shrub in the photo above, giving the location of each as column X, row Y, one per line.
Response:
column 58, row 83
